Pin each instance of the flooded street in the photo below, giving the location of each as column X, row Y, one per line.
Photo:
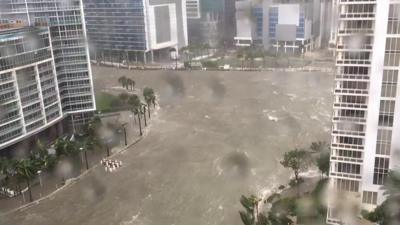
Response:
column 217, row 135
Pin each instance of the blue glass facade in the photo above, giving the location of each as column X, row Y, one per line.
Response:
column 258, row 15
column 273, row 21
column 116, row 24
column 300, row 29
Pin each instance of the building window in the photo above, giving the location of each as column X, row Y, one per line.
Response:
column 347, row 185
column 381, row 170
column 383, row 142
column 348, row 168
column 369, row 197
column 386, row 113
column 389, row 83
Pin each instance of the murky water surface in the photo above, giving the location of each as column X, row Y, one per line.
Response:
column 218, row 135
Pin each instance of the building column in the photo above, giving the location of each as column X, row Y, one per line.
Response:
column 152, row 56
column 144, row 58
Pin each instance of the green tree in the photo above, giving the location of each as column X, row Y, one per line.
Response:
column 388, row 212
column 26, row 170
column 250, row 214
column 93, row 126
column 319, row 146
column 41, row 159
column 65, row 147
column 124, row 97
column 148, row 95
column 322, row 162
column 297, row 161
column 136, row 105
column 123, row 81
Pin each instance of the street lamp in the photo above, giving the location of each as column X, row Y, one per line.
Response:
column 175, row 57
column 39, row 172
column 85, row 153
column 106, row 142
column 124, row 127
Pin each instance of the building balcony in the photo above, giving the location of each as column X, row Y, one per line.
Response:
column 352, row 91
column 341, row 2
column 357, row 16
column 345, row 146
column 364, row 31
column 7, row 100
column 349, row 119
column 340, row 62
column 342, row 105
column 349, row 133
column 351, row 77
column 345, row 175
column 360, row 48
column 346, row 159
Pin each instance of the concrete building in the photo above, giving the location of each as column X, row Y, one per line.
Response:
column 366, row 121
column 290, row 27
column 67, row 37
column 136, row 29
column 245, row 29
column 207, row 28
column 29, row 96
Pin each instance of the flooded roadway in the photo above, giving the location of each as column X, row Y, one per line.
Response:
column 218, row 135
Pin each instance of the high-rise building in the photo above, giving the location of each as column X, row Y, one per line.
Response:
column 290, row 27
column 29, row 94
column 366, row 121
column 142, row 30
column 67, row 37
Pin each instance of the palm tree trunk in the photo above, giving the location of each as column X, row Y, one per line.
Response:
column 140, row 125
column 144, row 116
column 148, row 109
column 29, row 189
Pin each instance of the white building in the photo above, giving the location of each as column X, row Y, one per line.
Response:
column 29, row 96
column 67, row 36
column 366, row 122
column 244, row 25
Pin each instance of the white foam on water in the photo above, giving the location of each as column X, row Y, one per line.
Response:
column 207, row 116
column 273, row 118
column 132, row 220
column 314, row 117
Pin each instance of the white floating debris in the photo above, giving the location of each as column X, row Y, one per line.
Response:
column 207, row 116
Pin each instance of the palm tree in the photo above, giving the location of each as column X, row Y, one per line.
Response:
column 93, row 126
column 26, row 170
column 130, row 83
column 148, row 94
column 143, row 111
column 65, row 147
column 135, row 104
column 122, row 80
